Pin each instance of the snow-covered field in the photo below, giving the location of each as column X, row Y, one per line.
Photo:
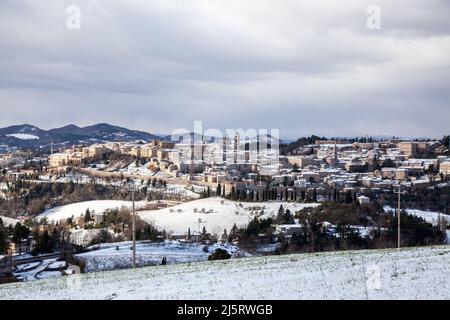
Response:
column 78, row 209
column 48, row 268
column 413, row 273
column 215, row 214
column 113, row 256
column 428, row 216
column 7, row 221
column 179, row 189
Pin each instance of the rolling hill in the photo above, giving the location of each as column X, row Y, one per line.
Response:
column 412, row 273
column 29, row 136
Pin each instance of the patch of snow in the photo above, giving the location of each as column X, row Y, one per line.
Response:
column 428, row 216
column 35, row 270
column 114, row 256
column 83, row 237
column 78, row 209
column 8, row 221
column 27, row 267
column 57, row 265
column 23, row 136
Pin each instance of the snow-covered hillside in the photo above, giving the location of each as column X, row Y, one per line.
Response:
column 7, row 221
column 114, row 256
column 215, row 214
column 413, row 273
column 78, row 209
column 428, row 216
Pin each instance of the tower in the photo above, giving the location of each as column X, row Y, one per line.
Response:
column 224, row 149
column 237, row 143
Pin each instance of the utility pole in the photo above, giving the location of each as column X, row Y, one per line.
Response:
column 133, row 228
column 398, row 217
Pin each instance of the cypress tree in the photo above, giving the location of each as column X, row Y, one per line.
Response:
column 219, row 190
column 87, row 216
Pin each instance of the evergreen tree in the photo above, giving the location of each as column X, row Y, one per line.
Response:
column 233, row 192
column 288, row 218
column 348, row 197
column 233, row 233
column 87, row 216
column 44, row 243
column 3, row 244
column 55, row 238
column 219, row 190
column 19, row 232
column 280, row 215
column 225, row 234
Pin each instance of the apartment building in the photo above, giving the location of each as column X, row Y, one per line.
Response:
column 408, row 148
column 59, row 159
column 93, row 151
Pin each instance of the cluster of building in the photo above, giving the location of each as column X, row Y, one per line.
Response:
column 377, row 165
column 216, row 162
column 338, row 164
column 75, row 155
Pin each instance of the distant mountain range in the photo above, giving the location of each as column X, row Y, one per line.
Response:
column 29, row 136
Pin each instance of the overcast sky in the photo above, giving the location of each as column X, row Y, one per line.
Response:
column 159, row 65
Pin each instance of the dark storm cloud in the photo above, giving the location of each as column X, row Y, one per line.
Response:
column 159, row 65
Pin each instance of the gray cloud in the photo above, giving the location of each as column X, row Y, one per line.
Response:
column 158, row 65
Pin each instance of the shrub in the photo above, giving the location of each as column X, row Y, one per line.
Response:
column 220, row 254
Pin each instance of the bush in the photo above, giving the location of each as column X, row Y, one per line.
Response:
column 220, row 254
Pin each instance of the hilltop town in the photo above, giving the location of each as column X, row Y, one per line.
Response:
column 215, row 198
